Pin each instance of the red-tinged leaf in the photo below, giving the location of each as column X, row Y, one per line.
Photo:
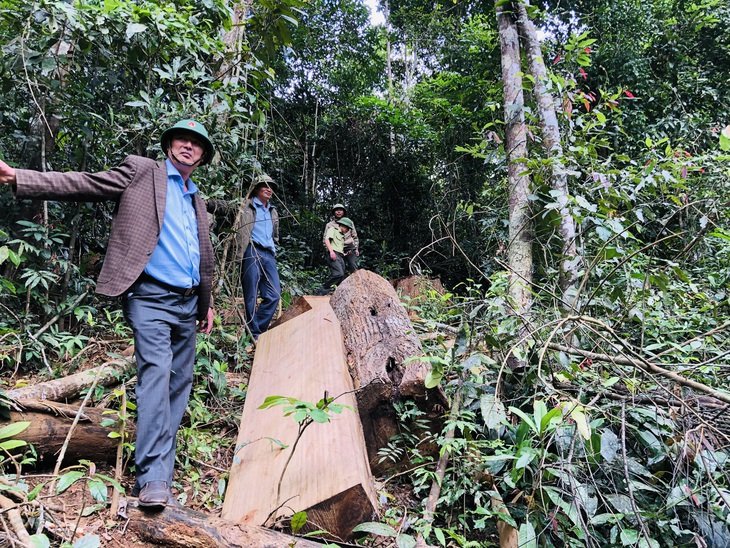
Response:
column 648, row 162
column 587, row 50
column 583, row 74
column 587, row 105
column 684, row 172
column 557, row 59
column 629, row 94
column 701, row 170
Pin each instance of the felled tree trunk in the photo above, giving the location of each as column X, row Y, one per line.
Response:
column 190, row 529
column 321, row 468
column 49, row 426
column 70, row 387
column 379, row 340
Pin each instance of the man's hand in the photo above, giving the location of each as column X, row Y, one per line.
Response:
column 7, row 173
column 333, row 256
column 206, row 326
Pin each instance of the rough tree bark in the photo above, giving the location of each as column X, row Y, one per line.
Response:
column 520, row 233
column 70, row 387
column 50, row 423
column 186, row 528
column 570, row 260
column 379, row 340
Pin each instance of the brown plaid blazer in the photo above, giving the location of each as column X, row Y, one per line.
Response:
column 139, row 187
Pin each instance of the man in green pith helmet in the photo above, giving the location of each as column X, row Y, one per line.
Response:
column 351, row 251
column 256, row 236
column 160, row 261
column 335, row 244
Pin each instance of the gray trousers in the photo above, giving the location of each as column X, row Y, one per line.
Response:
column 337, row 271
column 164, row 327
column 351, row 260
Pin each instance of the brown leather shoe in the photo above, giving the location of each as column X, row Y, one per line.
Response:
column 154, row 494
column 172, row 501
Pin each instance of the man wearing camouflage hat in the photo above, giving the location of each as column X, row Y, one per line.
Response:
column 351, row 251
column 256, row 236
column 160, row 261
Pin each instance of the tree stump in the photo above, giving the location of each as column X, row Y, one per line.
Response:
column 379, row 339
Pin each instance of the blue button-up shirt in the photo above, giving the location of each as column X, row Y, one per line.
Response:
column 263, row 228
column 176, row 259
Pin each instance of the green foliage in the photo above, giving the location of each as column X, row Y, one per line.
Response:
column 10, row 431
column 305, row 412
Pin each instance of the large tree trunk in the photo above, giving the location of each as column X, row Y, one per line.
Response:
column 50, row 423
column 520, row 233
column 570, row 261
column 382, row 354
column 186, row 528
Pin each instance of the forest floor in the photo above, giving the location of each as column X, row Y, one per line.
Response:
column 74, row 513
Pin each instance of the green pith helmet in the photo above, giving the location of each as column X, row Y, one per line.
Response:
column 190, row 126
column 339, row 206
column 262, row 179
column 346, row 222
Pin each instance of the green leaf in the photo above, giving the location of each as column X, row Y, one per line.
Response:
column 526, row 536
column 12, row 444
column 88, row 541
column 135, row 28
column 319, row 416
column 581, row 420
column 39, row 541
column 725, row 139
column 433, row 379
column 97, row 488
column 526, row 418
column 629, row 537
column 375, row 528
column 492, row 410
column 405, row 541
column 298, row 521
column 13, row 429
column 67, row 480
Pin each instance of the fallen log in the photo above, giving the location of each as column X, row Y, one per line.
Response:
column 322, row 470
column 186, row 528
column 49, row 426
column 380, row 339
column 69, row 388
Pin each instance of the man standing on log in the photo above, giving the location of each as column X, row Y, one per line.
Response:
column 160, row 260
column 257, row 234
column 352, row 243
column 335, row 242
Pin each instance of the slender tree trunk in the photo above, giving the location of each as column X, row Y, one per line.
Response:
column 570, row 260
column 390, row 69
column 313, row 191
column 520, row 233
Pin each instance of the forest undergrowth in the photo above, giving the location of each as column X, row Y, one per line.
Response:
column 607, row 447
